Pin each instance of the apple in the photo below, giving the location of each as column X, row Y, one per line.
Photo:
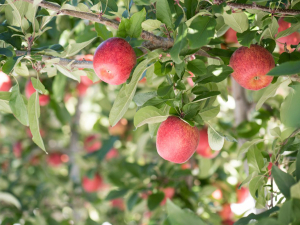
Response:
column 118, row 203
column 250, row 67
column 270, row 168
column 5, row 82
column 226, row 213
column 227, row 222
column 292, row 39
column 242, row 194
column 119, row 129
column 93, row 184
column 54, row 159
column 29, row 90
column 230, row 36
column 17, row 149
column 190, row 80
column 203, row 148
column 176, row 140
column 169, row 193
column 217, row 194
column 81, row 89
column 92, row 143
column 114, row 60
column 113, row 153
column 29, row 134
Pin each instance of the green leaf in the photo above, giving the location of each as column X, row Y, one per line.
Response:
column 38, row 86
column 179, row 44
column 201, row 30
column 197, row 67
column 237, row 21
column 154, row 200
column 246, row 37
column 149, row 115
column 253, row 216
column 18, row 106
column 132, row 200
column 74, row 48
column 4, row 102
column 109, row 5
column 126, row 93
column 61, row 112
column 295, row 190
column 284, row 215
column 255, row 160
column 9, row 198
column 209, row 113
column 272, row 29
column 287, row 68
column 134, row 28
column 298, row 166
column 122, row 31
column 67, row 73
column 178, row 216
column 294, row 28
column 33, row 115
column 268, row 93
column 103, row 32
column 9, row 65
column 6, row 51
column 151, row 25
column 58, row 87
column 21, row 69
column 256, row 184
column 283, row 180
column 215, row 140
column 116, row 194
column 141, row 98
column 163, row 13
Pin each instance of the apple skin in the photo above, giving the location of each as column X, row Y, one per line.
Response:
column 176, row 140
column 242, row 194
column 29, row 90
column 226, row 213
column 203, row 148
column 250, row 67
column 118, row 203
column 92, row 143
column 227, row 222
column 217, row 194
column 54, row 159
column 92, row 185
column 113, row 153
column 230, row 36
column 17, row 149
column 169, row 193
column 292, row 39
column 270, row 168
column 114, row 60
column 5, row 82
column 190, row 80
column 119, row 129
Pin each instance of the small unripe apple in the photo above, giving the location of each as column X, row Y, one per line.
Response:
column 54, row 159
column 169, row 193
column 242, row 194
column 226, row 213
column 203, row 148
column 29, row 90
column 230, row 36
column 251, row 65
column 114, row 60
column 17, row 149
column 292, row 39
column 92, row 143
column 5, row 82
column 93, row 184
column 176, row 140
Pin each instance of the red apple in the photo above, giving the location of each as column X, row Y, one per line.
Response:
column 5, row 82
column 217, row 194
column 190, row 80
column 227, row 222
column 29, row 90
column 93, row 184
column 176, row 140
column 242, row 194
column 292, row 39
column 226, row 213
column 114, row 60
column 17, row 149
column 203, row 148
column 81, row 89
column 118, row 203
column 119, row 129
column 92, row 143
column 230, row 36
column 270, row 168
column 113, row 153
column 169, row 193
column 250, row 67
column 54, row 159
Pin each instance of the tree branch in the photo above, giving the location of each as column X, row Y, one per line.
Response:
column 64, row 62
column 157, row 41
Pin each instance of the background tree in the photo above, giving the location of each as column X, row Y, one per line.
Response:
column 76, row 150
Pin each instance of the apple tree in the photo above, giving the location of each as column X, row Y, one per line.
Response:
column 149, row 112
